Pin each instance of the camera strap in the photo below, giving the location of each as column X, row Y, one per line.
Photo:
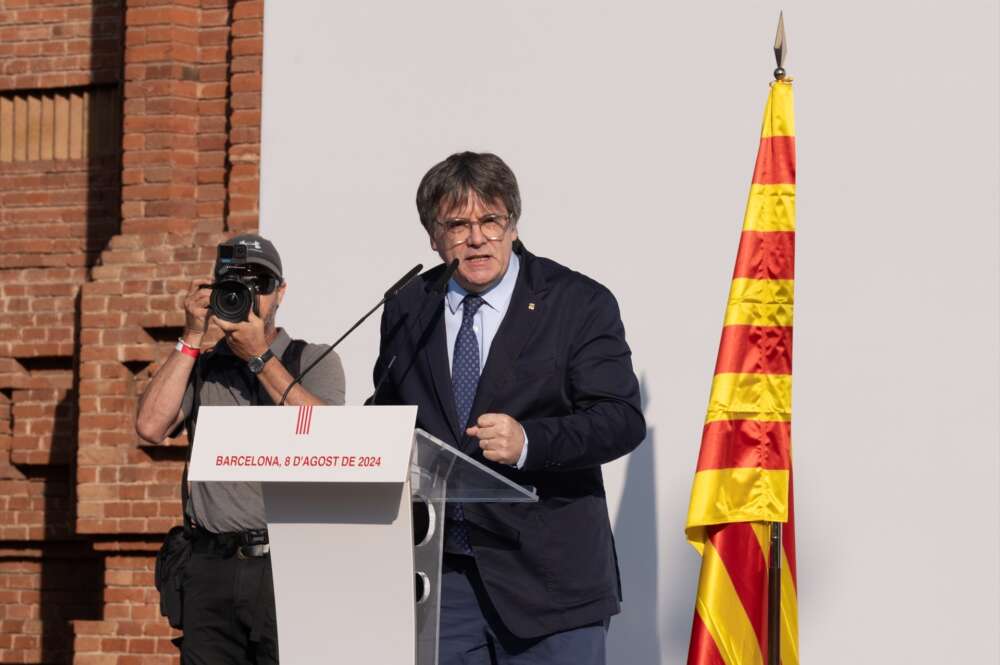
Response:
column 292, row 357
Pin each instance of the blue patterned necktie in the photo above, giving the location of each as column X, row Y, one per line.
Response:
column 464, row 381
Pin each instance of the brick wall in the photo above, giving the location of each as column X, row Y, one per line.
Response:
column 59, row 43
column 129, row 146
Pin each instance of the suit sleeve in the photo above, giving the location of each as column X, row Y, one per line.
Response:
column 606, row 418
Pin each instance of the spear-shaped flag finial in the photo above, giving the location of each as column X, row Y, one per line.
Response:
column 780, row 48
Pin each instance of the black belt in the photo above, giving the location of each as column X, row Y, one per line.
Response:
column 249, row 544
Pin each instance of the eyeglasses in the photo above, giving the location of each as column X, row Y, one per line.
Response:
column 492, row 226
column 265, row 283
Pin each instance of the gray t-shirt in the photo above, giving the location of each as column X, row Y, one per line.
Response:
column 227, row 381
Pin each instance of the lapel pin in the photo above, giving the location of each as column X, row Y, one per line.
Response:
column 531, row 306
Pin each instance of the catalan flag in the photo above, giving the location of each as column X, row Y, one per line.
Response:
column 744, row 475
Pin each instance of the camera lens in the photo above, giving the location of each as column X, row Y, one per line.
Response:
column 231, row 301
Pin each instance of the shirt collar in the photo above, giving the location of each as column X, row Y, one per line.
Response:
column 497, row 296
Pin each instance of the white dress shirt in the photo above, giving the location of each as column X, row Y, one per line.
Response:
column 486, row 322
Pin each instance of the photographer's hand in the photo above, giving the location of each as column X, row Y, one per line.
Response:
column 196, row 312
column 247, row 339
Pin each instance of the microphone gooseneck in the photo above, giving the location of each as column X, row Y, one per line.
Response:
column 385, row 375
column 391, row 293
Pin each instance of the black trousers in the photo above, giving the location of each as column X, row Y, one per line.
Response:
column 229, row 616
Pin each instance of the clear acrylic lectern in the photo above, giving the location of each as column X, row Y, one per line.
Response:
column 439, row 473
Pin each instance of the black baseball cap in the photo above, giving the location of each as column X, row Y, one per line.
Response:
column 259, row 251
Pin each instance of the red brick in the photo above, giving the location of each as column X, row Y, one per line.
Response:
column 248, row 9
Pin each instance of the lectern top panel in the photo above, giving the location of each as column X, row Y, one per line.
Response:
column 346, row 444
column 468, row 480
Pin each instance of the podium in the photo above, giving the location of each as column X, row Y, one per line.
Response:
column 355, row 502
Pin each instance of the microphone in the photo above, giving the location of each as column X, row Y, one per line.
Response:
column 441, row 283
column 391, row 293
column 403, row 281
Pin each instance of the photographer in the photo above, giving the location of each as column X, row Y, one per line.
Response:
column 227, row 589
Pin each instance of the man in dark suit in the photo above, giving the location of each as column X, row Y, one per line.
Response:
column 524, row 366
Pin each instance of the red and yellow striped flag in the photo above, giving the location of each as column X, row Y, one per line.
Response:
column 744, row 475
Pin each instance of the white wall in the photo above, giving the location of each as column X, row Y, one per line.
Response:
column 633, row 128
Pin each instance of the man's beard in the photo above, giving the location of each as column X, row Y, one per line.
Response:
column 269, row 318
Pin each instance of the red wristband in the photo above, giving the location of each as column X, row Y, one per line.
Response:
column 187, row 349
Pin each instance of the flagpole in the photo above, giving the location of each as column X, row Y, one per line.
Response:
column 774, row 597
column 774, row 562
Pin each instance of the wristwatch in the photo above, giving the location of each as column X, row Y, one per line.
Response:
column 257, row 364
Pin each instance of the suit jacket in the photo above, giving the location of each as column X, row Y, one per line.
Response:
column 559, row 365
